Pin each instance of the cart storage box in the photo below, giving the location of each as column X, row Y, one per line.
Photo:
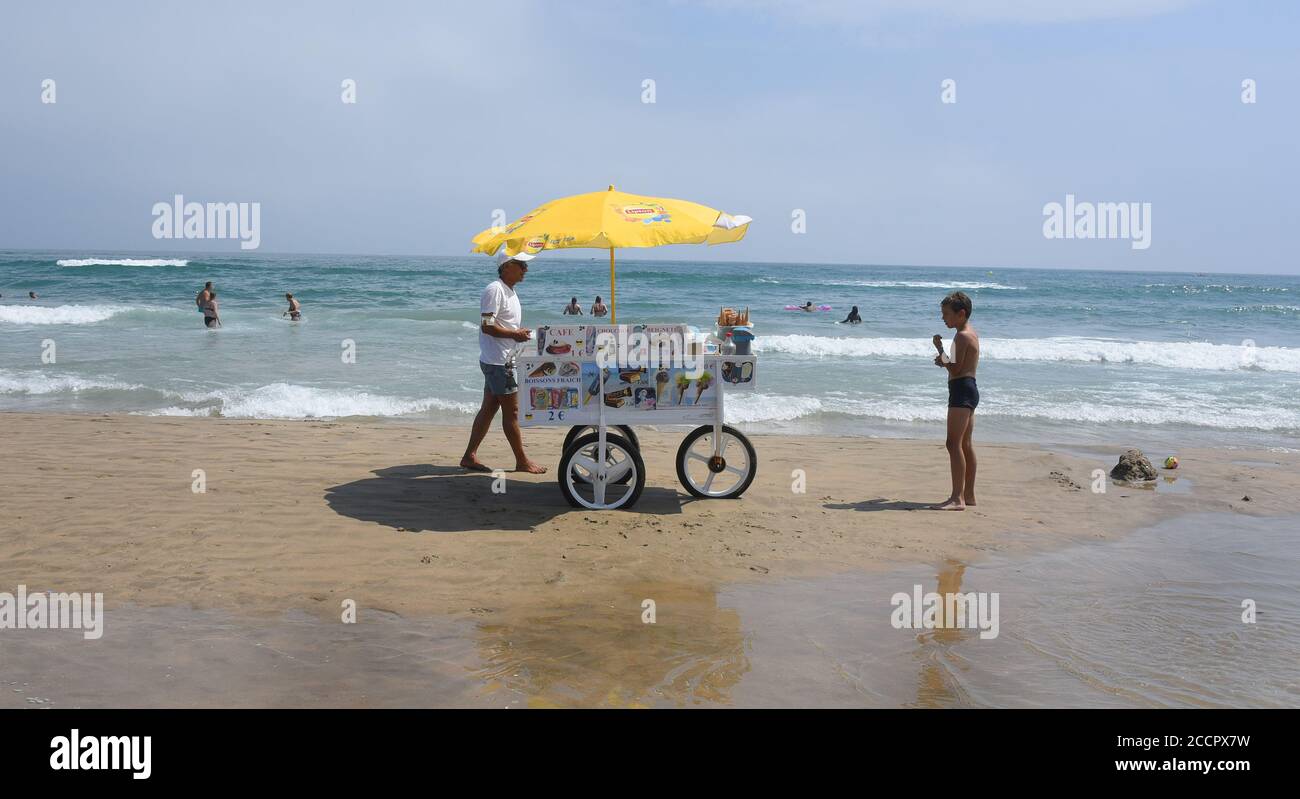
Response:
column 657, row 374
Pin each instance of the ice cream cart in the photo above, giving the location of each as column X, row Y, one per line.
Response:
column 602, row 380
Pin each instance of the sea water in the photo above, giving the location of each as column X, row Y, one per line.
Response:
column 1150, row 359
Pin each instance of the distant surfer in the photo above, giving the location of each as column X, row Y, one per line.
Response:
column 295, row 309
column 31, row 295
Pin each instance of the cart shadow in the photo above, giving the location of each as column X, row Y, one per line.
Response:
column 879, row 504
column 423, row 497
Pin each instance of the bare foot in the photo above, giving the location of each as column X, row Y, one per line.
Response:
column 952, row 504
column 969, row 501
column 474, row 464
column 530, row 467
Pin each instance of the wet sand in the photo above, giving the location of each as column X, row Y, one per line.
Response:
column 1153, row 620
column 515, row 599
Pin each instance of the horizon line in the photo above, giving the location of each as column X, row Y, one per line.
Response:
column 577, row 258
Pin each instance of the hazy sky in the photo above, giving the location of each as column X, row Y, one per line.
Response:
column 761, row 108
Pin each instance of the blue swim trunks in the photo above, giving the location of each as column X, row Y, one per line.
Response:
column 962, row 393
column 498, row 380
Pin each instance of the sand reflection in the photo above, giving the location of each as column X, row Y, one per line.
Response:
column 598, row 652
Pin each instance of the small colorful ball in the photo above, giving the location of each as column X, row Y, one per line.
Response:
column 1171, row 462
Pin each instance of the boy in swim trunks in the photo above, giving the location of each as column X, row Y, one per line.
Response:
column 963, row 397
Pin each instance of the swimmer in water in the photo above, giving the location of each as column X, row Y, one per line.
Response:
column 295, row 309
column 211, row 313
column 852, row 318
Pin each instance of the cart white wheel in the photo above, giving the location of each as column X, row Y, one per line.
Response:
column 581, row 430
column 586, row 482
column 706, row 475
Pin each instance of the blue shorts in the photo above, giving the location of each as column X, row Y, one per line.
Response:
column 962, row 393
column 498, row 380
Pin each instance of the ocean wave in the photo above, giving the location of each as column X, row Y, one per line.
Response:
column 63, row 314
column 274, row 401
column 925, row 284
column 897, row 284
column 770, row 408
column 1282, row 310
column 759, row 408
column 1216, row 288
column 123, row 262
column 1174, row 355
column 1151, row 407
column 435, row 318
column 290, row 401
column 1220, row 418
column 38, row 383
column 454, row 324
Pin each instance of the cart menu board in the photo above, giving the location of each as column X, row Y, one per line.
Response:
column 659, row 389
column 567, row 391
column 649, row 343
column 564, row 340
column 553, row 391
column 562, row 384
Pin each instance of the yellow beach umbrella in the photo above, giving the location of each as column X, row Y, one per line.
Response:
column 609, row 220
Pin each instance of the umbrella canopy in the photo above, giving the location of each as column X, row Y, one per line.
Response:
column 609, row 220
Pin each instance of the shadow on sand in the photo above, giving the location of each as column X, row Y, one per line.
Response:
column 444, row 499
column 880, row 504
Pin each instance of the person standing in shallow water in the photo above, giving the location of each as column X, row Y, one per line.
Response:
column 963, row 397
column 211, row 312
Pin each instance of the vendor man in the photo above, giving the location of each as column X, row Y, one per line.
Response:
column 498, row 334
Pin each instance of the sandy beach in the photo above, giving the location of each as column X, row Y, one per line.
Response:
column 298, row 516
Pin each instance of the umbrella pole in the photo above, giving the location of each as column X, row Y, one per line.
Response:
column 613, row 305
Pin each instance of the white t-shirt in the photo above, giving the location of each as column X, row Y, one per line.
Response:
column 499, row 300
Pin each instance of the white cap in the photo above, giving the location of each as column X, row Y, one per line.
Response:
column 502, row 258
